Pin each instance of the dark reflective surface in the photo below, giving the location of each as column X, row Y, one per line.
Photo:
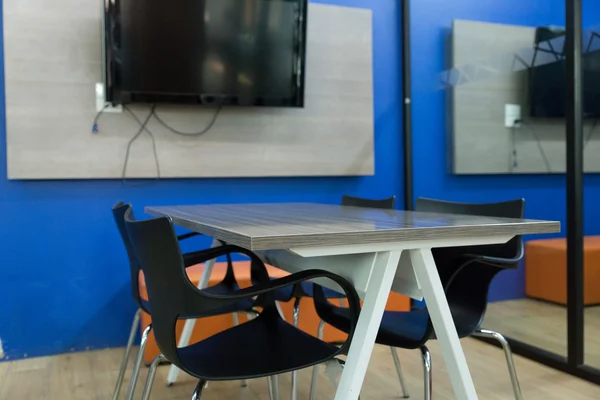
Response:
column 249, row 52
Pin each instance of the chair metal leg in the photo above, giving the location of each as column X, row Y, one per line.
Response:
column 427, row 370
column 132, row 332
column 294, row 395
column 236, row 322
column 271, row 390
column 199, row 388
column 151, row 375
column 315, row 372
column 405, row 394
column 279, row 310
column 509, row 358
column 275, row 381
column 138, row 362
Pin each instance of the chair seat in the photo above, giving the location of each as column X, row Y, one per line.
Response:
column 261, row 347
column 397, row 329
column 404, row 329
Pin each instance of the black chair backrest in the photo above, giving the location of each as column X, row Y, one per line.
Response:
column 320, row 300
column 119, row 210
column 385, row 204
column 467, row 272
column 170, row 292
column 506, row 209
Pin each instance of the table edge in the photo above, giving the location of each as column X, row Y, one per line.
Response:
column 351, row 238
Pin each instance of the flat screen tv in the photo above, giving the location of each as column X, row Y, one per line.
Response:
column 216, row 52
column 547, row 81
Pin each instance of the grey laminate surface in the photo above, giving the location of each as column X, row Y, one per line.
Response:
column 281, row 226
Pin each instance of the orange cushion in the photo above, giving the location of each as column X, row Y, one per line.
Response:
column 546, row 270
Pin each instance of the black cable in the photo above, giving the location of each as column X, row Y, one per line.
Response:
column 97, row 119
column 181, row 133
column 542, row 152
column 156, row 161
column 539, row 144
column 515, row 163
column 589, row 135
column 143, row 127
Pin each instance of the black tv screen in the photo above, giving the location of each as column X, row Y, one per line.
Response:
column 548, row 88
column 224, row 52
column 547, row 80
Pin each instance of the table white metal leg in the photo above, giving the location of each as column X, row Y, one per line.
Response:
column 437, row 305
column 378, row 290
column 188, row 328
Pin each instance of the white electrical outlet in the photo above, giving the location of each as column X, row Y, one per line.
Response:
column 512, row 113
column 101, row 104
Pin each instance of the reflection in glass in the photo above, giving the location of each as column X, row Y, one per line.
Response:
column 591, row 269
column 481, row 96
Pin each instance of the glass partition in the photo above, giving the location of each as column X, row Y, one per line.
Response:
column 591, row 84
column 489, row 115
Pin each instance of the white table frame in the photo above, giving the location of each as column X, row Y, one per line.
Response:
column 376, row 269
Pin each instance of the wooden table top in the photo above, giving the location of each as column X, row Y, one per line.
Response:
column 288, row 225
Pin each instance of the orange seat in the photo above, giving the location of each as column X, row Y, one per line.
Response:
column 546, row 270
column 206, row 327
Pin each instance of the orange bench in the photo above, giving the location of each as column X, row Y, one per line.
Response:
column 546, row 270
column 207, row 327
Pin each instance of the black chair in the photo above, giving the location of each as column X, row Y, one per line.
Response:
column 298, row 292
column 466, row 273
column 229, row 284
column 263, row 347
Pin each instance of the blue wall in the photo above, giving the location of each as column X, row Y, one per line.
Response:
column 64, row 281
column 545, row 194
column 63, row 274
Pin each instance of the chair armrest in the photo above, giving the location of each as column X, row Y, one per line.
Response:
column 280, row 283
column 497, row 261
column 198, row 257
column 262, row 292
column 201, row 256
column 263, row 285
column 188, row 235
column 258, row 270
column 265, row 291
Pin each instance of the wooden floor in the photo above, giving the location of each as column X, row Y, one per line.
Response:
column 91, row 376
column 544, row 325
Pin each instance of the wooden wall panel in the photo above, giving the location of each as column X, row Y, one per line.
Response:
column 53, row 60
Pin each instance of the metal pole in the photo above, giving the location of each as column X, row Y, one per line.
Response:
column 574, row 138
column 407, row 107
